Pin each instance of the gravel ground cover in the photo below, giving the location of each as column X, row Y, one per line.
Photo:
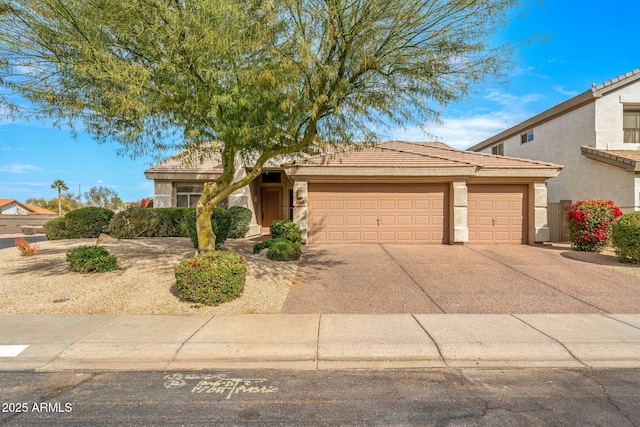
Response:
column 43, row 284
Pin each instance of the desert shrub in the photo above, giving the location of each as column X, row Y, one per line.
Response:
column 170, row 222
column 55, row 229
column 91, row 259
column 138, row 221
column 283, row 250
column 259, row 247
column 625, row 236
column 240, row 222
column 286, row 229
column 220, row 222
column 87, row 222
column 211, row 278
column 25, row 247
column 590, row 223
column 132, row 222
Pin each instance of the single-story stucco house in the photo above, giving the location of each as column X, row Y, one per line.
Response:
column 394, row 192
column 14, row 207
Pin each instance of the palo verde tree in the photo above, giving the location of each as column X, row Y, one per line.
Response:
column 246, row 80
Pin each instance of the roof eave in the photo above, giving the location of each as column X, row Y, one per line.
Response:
column 617, row 161
column 181, row 175
column 550, row 114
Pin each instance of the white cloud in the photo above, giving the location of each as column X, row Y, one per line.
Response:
column 19, row 168
column 563, row 91
column 462, row 132
column 508, row 99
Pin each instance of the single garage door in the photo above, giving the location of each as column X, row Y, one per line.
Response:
column 497, row 213
column 360, row 213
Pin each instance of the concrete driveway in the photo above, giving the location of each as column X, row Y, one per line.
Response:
column 398, row 278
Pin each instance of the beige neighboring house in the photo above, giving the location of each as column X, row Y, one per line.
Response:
column 395, row 192
column 595, row 135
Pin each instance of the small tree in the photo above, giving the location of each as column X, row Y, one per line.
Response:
column 247, row 80
column 60, row 185
column 590, row 223
column 103, row 197
column 69, row 202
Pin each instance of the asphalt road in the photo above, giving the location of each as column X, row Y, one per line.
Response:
column 7, row 242
column 442, row 397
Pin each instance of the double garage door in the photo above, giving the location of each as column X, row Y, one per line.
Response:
column 412, row 213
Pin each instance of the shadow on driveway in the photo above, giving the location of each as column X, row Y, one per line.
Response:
column 398, row 278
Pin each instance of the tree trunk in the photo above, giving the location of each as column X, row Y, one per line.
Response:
column 206, row 236
column 59, row 203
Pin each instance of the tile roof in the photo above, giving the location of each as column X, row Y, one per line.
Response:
column 182, row 163
column 626, row 159
column 34, row 209
column 423, row 155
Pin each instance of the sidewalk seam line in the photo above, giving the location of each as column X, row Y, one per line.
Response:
column 415, row 282
column 541, row 282
column 57, row 356
column 318, row 343
column 552, row 338
column 432, row 340
column 175, row 354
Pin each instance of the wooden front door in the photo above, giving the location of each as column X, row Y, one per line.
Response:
column 271, row 206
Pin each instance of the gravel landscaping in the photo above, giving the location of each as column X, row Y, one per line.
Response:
column 43, row 284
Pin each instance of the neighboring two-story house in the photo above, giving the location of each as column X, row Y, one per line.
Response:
column 595, row 135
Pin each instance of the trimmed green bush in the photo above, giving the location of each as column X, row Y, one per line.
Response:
column 220, row 222
column 133, row 222
column 86, row 223
column 241, row 220
column 286, row 229
column 55, row 229
column 91, row 259
column 138, row 221
column 625, row 236
column 170, row 222
column 259, row 247
column 211, row 278
column 283, row 250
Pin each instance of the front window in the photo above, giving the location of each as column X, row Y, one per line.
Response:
column 498, row 150
column 187, row 196
column 526, row 137
column 631, row 125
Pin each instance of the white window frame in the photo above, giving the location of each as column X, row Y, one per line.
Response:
column 631, row 135
column 526, row 137
column 498, row 149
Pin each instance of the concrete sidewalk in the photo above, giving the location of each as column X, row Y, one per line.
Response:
column 314, row 341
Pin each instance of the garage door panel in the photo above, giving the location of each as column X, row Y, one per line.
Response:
column 378, row 212
column 497, row 213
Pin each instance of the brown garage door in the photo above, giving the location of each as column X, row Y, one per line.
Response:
column 497, row 213
column 412, row 213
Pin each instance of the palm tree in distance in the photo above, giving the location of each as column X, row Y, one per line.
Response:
column 60, row 185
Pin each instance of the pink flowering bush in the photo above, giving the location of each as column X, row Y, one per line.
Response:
column 590, row 224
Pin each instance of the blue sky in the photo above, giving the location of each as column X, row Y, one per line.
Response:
column 578, row 43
